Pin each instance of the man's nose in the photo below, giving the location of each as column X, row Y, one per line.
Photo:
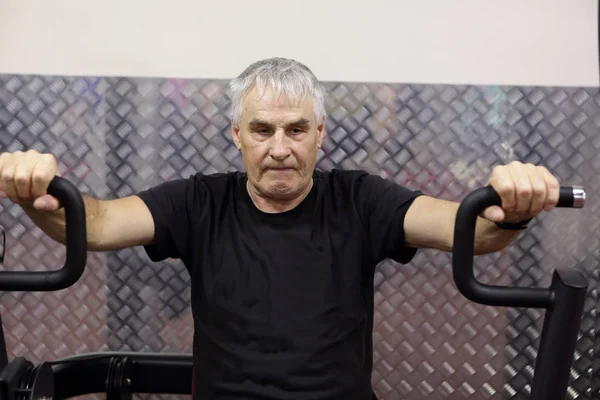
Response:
column 280, row 148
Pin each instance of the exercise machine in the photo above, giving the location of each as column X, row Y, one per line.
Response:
column 116, row 374
column 563, row 300
column 121, row 374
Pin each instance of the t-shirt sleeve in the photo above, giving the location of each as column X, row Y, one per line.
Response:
column 383, row 205
column 169, row 203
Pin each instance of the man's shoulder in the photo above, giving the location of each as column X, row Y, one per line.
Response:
column 217, row 178
column 198, row 184
column 350, row 178
column 343, row 175
column 218, row 182
column 363, row 184
column 337, row 184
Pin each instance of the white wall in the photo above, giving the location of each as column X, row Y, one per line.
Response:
column 533, row 42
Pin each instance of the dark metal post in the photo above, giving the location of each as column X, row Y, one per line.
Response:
column 559, row 336
column 3, row 350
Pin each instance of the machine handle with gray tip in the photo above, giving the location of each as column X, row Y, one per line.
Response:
column 463, row 252
column 76, row 245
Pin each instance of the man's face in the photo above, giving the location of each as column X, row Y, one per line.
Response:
column 279, row 139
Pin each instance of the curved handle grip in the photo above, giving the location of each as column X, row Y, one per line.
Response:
column 463, row 252
column 76, row 243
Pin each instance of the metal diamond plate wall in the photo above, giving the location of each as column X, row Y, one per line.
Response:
column 114, row 137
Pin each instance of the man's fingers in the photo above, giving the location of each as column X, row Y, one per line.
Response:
column 22, row 180
column 8, row 183
column 552, row 188
column 46, row 203
column 25, row 176
column 43, row 173
column 503, row 184
column 539, row 190
column 523, row 190
column 493, row 213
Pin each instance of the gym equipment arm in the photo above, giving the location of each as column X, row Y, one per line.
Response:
column 76, row 246
column 463, row 251
column 120, row 374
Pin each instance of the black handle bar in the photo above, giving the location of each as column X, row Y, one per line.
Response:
column 76, row 243
column 463, row 252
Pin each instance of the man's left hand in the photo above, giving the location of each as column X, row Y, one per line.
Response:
column 525, row 190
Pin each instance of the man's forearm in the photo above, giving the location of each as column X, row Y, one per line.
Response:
column 490, row 238
column 52, row 223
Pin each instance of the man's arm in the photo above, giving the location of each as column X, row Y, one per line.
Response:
column 525, row 190
column 429, row 223
column 111, row 224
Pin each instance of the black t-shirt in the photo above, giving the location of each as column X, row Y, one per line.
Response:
column 282, row 303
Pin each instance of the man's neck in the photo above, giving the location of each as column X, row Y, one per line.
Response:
column 273, row 206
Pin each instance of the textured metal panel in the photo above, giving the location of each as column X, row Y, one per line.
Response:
column 117, row 136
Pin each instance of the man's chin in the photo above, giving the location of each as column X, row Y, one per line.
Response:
column 280, row 190
column 283, row 187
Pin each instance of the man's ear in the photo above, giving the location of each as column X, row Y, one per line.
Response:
column 320, row 133
column 235, row 135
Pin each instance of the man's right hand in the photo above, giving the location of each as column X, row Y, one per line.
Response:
column 25, row 177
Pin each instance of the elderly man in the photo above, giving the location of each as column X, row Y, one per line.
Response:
column 281, row 256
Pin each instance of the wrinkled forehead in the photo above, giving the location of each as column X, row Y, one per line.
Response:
column 265, row 99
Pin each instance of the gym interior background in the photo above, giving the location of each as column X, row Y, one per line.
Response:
column 430, row 94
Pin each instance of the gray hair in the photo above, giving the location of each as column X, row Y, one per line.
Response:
column 284, row 76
